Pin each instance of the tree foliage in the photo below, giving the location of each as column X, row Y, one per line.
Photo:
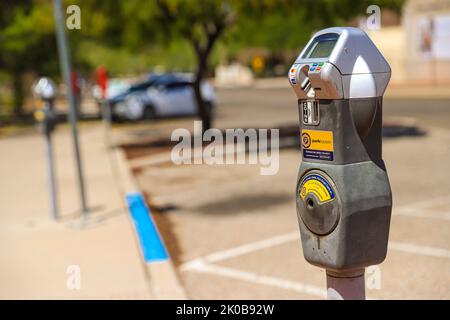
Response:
column 133, row 35
column 27, row 42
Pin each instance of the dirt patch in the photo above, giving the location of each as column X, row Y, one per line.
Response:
column 133, row 152
column 158, row 146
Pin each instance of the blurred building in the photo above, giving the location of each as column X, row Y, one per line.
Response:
column 232, row 75
column 418, row 47
column 426, row 24
column 391, row 42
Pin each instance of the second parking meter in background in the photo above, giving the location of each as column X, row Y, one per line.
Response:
column 343, row 194
column 44, row 91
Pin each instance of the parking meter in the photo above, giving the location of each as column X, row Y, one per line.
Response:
column 44, row 90
column 343, row 194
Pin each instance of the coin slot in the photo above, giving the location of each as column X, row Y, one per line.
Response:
column 310, row 112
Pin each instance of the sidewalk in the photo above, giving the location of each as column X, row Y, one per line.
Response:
column 35, row 252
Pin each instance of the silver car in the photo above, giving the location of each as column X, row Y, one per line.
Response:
column 172, row 97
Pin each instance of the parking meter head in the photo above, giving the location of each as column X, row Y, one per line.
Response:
column 343, row 195
column 45, row 89
column 339, row 63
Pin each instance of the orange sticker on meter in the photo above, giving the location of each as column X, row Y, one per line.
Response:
column 317, row 144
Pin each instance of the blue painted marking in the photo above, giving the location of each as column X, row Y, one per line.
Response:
column 312, row 69
column 153, row 248
column 314, row 65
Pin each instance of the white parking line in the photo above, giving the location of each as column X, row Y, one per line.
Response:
column 425, row 213
column 425, row 204
column 279, row 240
column 420, row 250
column 251, row 247
column 241, row 250
column 200, row 266
column 205, row 264
column 423, row 209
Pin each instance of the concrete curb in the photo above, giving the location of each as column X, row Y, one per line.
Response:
column 163, row 280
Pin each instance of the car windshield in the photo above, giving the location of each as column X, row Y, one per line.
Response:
column 155, row 80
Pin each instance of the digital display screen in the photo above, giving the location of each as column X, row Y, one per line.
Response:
column 322, row 46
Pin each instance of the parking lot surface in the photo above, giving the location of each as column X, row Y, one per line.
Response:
column 233, row 233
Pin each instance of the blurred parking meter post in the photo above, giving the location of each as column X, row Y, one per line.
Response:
column 65, row 66
column 343, row 194
column 44, row 91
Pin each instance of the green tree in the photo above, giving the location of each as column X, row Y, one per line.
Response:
column 125, row 37
column 274, row 24
column 137, row 32
column 27, row 43
column 201, row 24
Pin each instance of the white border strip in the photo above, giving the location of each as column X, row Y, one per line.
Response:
column 279, row 240
column 420, row 250
column 202, row 267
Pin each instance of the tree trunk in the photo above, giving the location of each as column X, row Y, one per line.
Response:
column 203, row 52
column 203, row 109
column 17, row 94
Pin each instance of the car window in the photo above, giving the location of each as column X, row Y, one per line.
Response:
column 141, row 86
column 178, row 85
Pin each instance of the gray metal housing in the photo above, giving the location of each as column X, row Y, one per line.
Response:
column 363, row 196
column 345, row 225
column 355, row 68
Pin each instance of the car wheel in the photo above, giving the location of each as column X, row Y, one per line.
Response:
column 149, row 113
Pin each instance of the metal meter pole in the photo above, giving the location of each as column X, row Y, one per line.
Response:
column 65, row 65
column 51, row 175
column 346, row 288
